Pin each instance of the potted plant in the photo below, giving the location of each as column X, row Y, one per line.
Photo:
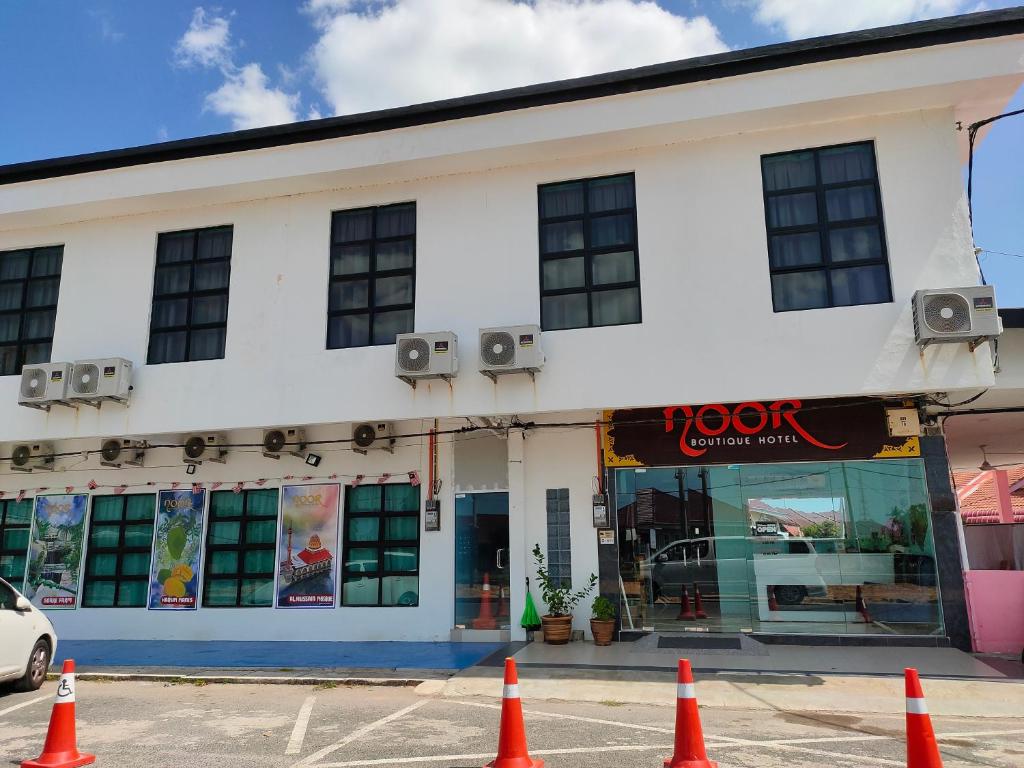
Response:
column 602, row 620
column 560, row 600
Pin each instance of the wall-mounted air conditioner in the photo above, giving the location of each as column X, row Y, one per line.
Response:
column 200, row 448
column 43, row 384
column 283, row 440
column 956, row 315
column 120, row 450
column 95, row 381
column 374, row 435
column 26, row 457
column 510, row 349
column 426, row 356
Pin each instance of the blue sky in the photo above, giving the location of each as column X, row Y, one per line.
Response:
column 108, row 74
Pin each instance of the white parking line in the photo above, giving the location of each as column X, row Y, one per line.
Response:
column 490, row 755
column 301, row 723
column 28, row 703
column 560, row 716
column 359, row 733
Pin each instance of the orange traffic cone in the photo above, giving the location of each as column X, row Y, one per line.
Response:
column 485, row 620
column 685, row 612
column 922, row 749
column 698, row 604
column 861, row 607
column 60, row 750
column 512, row 734
column 772, row 604
column 689, row 743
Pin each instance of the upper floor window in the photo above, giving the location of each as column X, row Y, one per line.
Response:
column 29, row 284
column 826, row 240
column 190, row 295
column 589, row 261
column 373, row 275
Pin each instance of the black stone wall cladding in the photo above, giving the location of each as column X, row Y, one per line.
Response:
column 921, row 34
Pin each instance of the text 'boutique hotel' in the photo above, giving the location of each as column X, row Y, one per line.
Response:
column 679, row 326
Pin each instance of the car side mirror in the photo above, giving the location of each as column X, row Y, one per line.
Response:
column 662, row 558
column 23, row 605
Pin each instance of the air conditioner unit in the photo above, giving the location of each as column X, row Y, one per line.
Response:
column 426, row 356
column 43, row 384
column 372, row 436
column 26, row 457
column 956, row 315
column 93, row 381
column 200, row 448
column 120, row 450
column 510, row 349
column 283, row 440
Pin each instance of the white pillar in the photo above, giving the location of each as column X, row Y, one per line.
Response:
column 518, row 553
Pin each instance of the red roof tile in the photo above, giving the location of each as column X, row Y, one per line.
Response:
column 981, row 505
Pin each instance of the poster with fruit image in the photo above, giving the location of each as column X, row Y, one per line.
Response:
column 307, row 546
column 177, row 549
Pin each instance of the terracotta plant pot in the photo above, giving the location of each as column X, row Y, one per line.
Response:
column 603, row 631
column 556, row 629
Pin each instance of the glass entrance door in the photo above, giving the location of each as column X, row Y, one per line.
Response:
column 481, row 561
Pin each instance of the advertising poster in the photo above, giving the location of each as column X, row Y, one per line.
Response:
column 177, row 549
column 308, row 545
column 55, row 553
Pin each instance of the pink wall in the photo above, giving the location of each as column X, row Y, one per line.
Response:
column 995, row 602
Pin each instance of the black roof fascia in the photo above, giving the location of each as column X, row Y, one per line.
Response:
column 954, row 29
column 1012, row 317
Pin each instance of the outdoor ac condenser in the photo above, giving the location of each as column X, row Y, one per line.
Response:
column 956, row 315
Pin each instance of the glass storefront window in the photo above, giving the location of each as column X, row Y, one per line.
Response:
column 812, row 548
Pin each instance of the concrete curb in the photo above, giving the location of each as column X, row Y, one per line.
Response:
column 392, row 682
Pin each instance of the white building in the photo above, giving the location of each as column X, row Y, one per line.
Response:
column 673, row 299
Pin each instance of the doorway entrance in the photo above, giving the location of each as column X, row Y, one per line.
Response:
column 481, row 561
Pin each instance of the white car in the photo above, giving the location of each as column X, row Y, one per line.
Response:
column 27, row 640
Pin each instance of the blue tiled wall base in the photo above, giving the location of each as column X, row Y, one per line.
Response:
column 293, row 655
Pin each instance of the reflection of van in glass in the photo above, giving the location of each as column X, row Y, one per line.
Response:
column 791, row 569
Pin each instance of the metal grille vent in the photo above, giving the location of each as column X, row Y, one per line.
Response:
column 364, row 435
column 20, row 455
column 413, row 355
column 195, row 447
column 85, row 378
column 947, row 313
column 33, row 382
column 498, row 348
column 274, row 441
column 111, row 450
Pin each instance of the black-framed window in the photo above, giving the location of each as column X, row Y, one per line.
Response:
column 241, row 546
column 559, row 542
column 190, row 295
column 119, row 551
column 589, row 256
column 29, row 286
column 15, row 529
column 826, row 238
column 382, row 545
column 372, row 291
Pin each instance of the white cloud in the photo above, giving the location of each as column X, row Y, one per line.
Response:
column 247, row 99
column 246, row 96
column 808, row 18
column 206, row 42
column 397, row 52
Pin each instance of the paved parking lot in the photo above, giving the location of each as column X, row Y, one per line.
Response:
column 129, row 724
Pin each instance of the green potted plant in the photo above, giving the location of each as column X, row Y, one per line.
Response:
column 560, row 600
column 602, row 620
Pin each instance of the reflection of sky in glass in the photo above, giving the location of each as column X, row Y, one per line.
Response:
column 830, row 507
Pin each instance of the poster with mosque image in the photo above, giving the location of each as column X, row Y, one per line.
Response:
column 177, row 550
column 55, row 551
column 308, row 546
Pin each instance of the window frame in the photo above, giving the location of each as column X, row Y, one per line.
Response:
column 190, row 295
column 4, row 527
column 381, row 544
column 823, row 227
column 240, row 575
column 119, row 551
column 372, row 274
column 588, row 252
column 19, row 343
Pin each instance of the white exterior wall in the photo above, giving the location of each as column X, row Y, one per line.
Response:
column 704, row 282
